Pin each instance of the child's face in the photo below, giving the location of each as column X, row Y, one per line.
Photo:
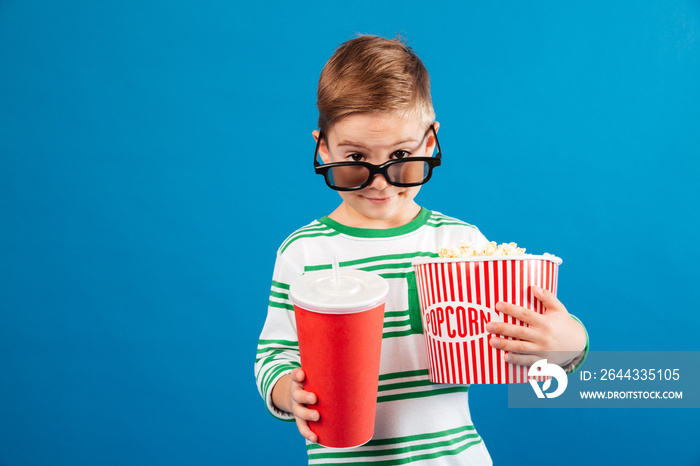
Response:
column 376, row 138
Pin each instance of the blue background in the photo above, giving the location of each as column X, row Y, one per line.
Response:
column 139, row 228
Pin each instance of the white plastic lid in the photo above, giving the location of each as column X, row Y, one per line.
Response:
column 355, row 291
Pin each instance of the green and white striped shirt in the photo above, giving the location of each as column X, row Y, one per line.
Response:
column 417, row 422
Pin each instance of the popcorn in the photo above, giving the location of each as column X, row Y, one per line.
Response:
column 467, row 249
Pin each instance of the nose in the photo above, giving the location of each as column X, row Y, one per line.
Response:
column 378, row 182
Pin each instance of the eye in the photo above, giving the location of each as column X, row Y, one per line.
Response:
column 355, row 157
column 400, row 154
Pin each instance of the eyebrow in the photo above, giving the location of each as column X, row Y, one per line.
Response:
column 358, row 144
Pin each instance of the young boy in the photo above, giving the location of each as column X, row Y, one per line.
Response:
column 375, row 109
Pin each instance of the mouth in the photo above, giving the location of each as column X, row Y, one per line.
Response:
column 379, row 200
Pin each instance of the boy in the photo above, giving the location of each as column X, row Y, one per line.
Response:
column 375, row 110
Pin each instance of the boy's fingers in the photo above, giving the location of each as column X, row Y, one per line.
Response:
column 524, row 315
column 304, row 413
column 305, row 430
column 304, row 397
column 548, row 299
column 510, row 330
column 297, row 375
column 517, row 346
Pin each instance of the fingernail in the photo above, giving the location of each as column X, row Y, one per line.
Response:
column 495, row 342
column 489, row 327
column 309, row 398
column 499, row 307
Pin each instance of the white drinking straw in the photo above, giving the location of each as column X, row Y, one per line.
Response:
column 336, row 271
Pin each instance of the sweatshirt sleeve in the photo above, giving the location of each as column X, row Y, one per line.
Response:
column 278, row 347
column 577, row 362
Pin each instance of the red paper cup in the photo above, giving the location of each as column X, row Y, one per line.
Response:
column 458, row 297
column 340, row 327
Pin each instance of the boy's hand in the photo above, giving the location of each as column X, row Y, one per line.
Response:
column 298, row 401
column 554, row 335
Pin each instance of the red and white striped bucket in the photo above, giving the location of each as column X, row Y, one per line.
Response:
column 458, row 297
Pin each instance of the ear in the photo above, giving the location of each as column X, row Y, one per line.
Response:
column 322, row 147
column 430, row 144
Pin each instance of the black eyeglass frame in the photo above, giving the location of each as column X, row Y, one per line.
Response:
column 377, row 169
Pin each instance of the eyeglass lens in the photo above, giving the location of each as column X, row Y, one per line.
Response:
column 405, row 172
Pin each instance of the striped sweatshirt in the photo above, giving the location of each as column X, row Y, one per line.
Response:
column 417, row 422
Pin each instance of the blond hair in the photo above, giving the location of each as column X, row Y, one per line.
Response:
column 374, row 74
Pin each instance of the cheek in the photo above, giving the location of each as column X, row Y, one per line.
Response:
column 411, row 192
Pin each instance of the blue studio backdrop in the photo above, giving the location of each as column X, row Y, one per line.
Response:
column 153, row 156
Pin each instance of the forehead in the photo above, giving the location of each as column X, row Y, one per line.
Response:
column 376, row 129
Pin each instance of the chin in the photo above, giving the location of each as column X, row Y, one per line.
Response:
column 383, row 214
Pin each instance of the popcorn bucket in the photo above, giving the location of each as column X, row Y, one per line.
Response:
column 458, row 298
